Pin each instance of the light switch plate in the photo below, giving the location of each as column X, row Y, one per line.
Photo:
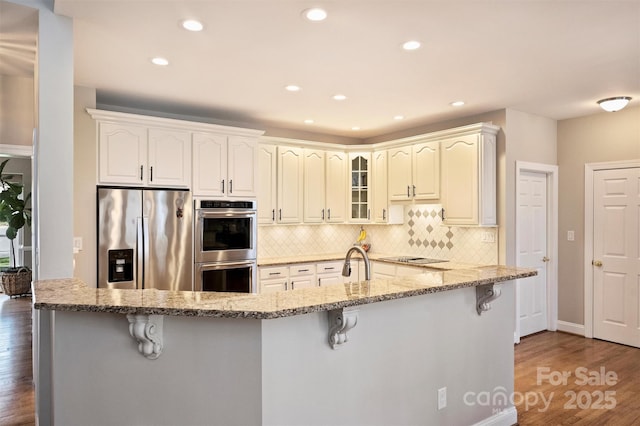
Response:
column 442, row 398
column 571, row 236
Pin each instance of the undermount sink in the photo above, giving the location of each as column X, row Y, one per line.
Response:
column 414, row 260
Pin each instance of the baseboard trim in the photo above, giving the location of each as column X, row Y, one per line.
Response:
column 505, row 417
column 570, row 327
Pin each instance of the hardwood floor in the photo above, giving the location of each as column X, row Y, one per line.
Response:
column 16, row 377
column 611, row 395
column 542, row 396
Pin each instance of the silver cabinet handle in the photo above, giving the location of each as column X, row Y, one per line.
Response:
column 442, row 214
column 326, row 268
column 273, row 215
column 230, row 186
column 285, row 285
column 141, row 168
column 280, row 214
column 223, row 186
column 151, row 173
column 322, row 214
column 292, row 286
column 328, row 214
column 408, row 194
column 414, row 190
column 274, row 273
column 368, row 214
column 384, row 214
column 303, row 270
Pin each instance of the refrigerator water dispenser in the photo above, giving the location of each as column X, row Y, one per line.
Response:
column 120, row 265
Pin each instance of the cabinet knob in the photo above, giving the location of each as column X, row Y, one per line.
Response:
column 597, row 263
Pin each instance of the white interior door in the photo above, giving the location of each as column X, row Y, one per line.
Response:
column 532, row 217
column 616, row 255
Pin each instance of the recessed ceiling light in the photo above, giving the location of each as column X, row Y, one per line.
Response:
column 192, row 25
column 315, row 14
column 411, row 45
column 308, row 121
column 292, row 88
column 457, row 103
column 355, row 128
column 160, row 61
column 339, row 97
column 399, row 117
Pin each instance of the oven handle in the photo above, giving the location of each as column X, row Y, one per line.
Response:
column 205, row 214
column 224, row 265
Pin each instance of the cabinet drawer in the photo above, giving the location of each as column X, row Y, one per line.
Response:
column 302, row 269
column 329, row 267
column 274, row 272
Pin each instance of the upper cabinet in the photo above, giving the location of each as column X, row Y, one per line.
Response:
column 290, row 163
column 267, row 187
column 360, row 200
column 382, row 211
column 414, row 172
column 336, row 189
column 224, row 166
column 469, row 179
column 212, row 160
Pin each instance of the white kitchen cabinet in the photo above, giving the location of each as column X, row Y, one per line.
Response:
column 273, row 278
column 382, row 210
column 122, row 154
column 382, row 270
column 302, row 275
column 224, row 166
column 314, row 186
column 335, row 187
column 414, row 172
column 267, row 188
column 405, row 271
column 141, row 156
column 469, row 179
column 360, row 199
column 329, row 273
column 290, row 185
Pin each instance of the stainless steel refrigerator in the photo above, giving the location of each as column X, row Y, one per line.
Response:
column 145, row 239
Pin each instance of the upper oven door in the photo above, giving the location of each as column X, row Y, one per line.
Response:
column 225, row 235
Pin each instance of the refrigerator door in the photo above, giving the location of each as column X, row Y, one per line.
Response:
column 168, row 240
column 118, row 237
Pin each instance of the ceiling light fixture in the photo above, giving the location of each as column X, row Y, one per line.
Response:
column 399, row 117
column 355, row 128
column 163, row 62
column 292, row 88
column 411, row 45
column 192, row 25
column 614, row 104
column 308, row 121
column 457, row 103
column 315, row 14
column 339, row 97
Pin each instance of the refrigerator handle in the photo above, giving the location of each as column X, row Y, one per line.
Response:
column 139, row 253
column 145, row 248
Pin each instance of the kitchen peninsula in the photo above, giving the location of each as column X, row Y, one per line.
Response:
column 377, row 352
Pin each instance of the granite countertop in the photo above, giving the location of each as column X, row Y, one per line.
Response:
column 74, row 295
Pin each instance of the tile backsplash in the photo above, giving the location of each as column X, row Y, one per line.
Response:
column 422, row 234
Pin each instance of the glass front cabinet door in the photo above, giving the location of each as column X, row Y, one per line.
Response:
column 360, row 178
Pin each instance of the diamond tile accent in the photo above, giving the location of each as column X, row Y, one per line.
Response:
column 429, row 228
column 411, row 222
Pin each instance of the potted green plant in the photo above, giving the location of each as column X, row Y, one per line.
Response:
column 16, row 280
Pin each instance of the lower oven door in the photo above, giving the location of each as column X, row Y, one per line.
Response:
column 239, row 277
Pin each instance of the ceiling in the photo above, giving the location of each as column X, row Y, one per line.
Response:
column 18, row 30
column 550, row 58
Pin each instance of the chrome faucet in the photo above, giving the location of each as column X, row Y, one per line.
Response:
column 346, row 269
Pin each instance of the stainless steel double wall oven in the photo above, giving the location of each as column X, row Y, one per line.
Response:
column 225, row 246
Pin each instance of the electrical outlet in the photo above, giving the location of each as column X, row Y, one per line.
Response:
column 571, row 236
column 442, row 398
column 488, row 237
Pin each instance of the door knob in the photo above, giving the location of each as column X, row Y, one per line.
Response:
column 545, row 259
column 597, row 263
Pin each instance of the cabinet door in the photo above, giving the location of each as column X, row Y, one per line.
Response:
column 209, row 164
column 267, row 201
column 122, row 154
column 241, row 167
column 330, row 279
column 169, row 158
column 290, row 183
column 399, row 168
column 273, row 286
column 360, row 167
column 426, row 171
column 336, row 187
column 380, row 198
column 459, row 158
column 314, row 186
